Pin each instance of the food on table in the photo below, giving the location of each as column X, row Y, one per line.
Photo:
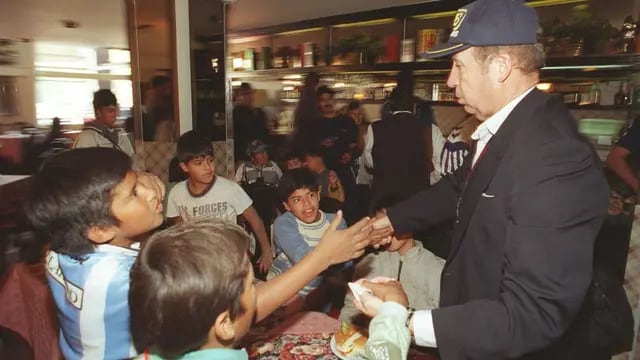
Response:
column 350, row 339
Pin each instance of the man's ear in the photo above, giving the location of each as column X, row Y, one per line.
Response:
column 223, row 329
column 503, row 65
column 286, row 206
column 101, row 234
column 184, row 167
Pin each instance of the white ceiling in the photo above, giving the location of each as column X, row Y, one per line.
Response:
column 102, row 23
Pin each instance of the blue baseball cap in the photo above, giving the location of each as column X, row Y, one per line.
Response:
column 256, row 146
column 489, row 23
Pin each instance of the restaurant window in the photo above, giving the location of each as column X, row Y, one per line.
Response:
column 67, row 76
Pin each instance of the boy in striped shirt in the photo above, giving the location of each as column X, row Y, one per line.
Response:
column 90, row 205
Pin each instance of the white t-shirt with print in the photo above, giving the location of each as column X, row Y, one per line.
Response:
column 225, row 200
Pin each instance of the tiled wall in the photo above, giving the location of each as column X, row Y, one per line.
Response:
column 155, row 157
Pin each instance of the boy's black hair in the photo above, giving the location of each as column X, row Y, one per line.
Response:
column 314, row 151
column 324, row 89
column 355, row 104
column 71, row 193
column 103, row 98
column 296, row 179
column 177, row 291
column 290, row 155
column 192, row 145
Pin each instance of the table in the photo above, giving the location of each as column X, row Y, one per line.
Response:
column 300, row 336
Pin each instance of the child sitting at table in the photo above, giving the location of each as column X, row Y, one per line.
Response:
column 206, row 195
column 194, row 308
column 404, row 259
column 298, row 231
column 89, row 205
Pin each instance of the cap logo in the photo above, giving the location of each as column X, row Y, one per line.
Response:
column 457, row 21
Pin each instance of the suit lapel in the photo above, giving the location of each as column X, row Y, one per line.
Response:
column 486, row 167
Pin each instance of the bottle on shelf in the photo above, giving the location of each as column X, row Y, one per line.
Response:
column 629, row 32
column 594, row 93
column 622, row 97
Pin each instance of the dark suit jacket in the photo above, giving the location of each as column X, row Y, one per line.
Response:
column 521, row 251
column 399, row 159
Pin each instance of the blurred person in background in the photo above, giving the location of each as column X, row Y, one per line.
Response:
column 249, row 122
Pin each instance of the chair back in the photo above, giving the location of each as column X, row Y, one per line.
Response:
column 28, row 311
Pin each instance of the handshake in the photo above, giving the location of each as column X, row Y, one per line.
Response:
column 381, row 229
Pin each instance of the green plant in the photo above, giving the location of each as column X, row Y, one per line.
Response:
column 582, row 27
column 369, row 46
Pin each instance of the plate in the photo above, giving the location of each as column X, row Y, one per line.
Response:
column 335, row 351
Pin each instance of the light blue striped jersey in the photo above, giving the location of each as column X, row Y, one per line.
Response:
column 294, row 240
column 91, row 294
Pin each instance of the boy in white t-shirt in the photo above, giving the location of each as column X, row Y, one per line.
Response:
column 204, row 194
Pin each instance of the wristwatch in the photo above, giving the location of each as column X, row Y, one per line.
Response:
column 409, row 317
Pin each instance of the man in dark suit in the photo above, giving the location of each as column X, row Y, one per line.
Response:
column 528, row 204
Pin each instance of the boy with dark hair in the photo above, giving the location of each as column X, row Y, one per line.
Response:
column 196, row 308
column 219, row 292
column 206, row 195
column 328, row 180
column 291, row 160
column 90, row 205
column 102, row 131
column 299, row 230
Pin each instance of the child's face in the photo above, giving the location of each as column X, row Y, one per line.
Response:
column 137, row 207
column 260, row 158
column 248, row 300
column 314, row 163
column 294, row 163
column 399, row 243
column 107, row 115
column 201, row 169
column 304, row 204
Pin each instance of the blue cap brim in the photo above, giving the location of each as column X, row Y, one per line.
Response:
column 443, row 50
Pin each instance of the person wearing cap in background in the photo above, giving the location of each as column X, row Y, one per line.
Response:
column 528, row 203
column 259, row 168
column 249, row 122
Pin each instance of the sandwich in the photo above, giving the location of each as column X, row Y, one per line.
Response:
column 350, row 340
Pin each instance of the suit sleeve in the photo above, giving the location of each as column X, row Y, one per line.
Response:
column 428, row 207
column 556, row 207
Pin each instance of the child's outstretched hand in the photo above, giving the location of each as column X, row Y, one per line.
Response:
column 339, row 246
column 152, row 183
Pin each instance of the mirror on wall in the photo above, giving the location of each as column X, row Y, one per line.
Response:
column 151, row 35
column 208, row 67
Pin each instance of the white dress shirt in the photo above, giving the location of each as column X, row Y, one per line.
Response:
column 423, row 330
